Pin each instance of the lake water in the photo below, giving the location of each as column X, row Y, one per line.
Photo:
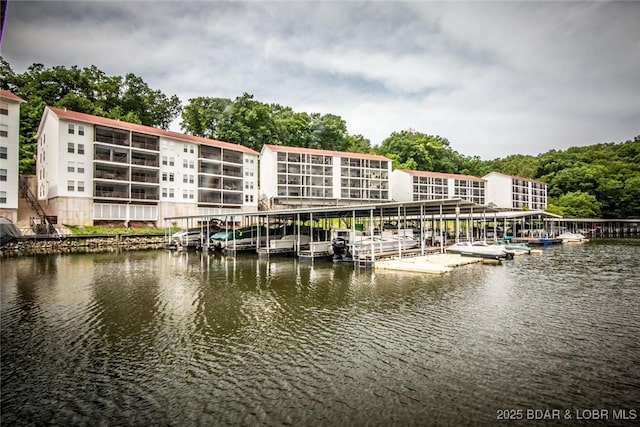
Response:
column 159, row 338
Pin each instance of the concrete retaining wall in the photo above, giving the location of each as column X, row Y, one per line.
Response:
column 82, row 244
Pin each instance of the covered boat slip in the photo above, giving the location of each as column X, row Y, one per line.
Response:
column 308, row 232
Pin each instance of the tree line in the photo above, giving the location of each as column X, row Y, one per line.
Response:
column 601, row 180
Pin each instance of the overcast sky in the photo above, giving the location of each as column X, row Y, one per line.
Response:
column 494, row 78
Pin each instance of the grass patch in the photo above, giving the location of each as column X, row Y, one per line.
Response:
column 93, row 229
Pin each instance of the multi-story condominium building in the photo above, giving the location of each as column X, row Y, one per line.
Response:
column 9, row 151
column 515, row 193
column 411, row 185
column 93, row 169
column 296, row 176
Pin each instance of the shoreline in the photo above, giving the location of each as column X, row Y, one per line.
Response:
column 28, row 246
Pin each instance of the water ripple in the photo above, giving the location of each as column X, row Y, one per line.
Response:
column 180, row 339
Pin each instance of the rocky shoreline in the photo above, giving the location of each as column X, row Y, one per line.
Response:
column 81, row 244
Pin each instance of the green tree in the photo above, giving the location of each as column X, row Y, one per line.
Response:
column 86, row 90
column 518, row 165
column 356, row 144
column 328, row 132
column 252, row 123
column 630, row 198
column 202, row 116
column 427, row 152
column 578, row 204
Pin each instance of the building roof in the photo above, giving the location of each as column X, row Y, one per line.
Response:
column 514, row 176
column 302, row 150
column 441, row 175
column 104, row 121
column 10, row 96
column 450, row 208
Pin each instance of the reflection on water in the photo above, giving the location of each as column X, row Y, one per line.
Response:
column 158, row 338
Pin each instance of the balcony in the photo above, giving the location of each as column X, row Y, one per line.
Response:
column 232, row 184
column 210, row 197
column 232, row 156
column 294, row 169
column 144, row 159
column 294, row 158
column 111, row 173
column 145, row 142
column 232, row 198
column 111, row 191
column 317, row 170
column 209, row 182
column 210, row 153
column 232, row 171
column 209, row 168
column 111, row 136
column 144, row 193
column 149, row 177
column 107, row 154
column 320, row 160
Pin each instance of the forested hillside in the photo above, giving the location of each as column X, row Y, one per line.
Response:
column 601, row 180
column 86, row 90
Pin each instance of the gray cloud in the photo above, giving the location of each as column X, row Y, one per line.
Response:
column 494, row 78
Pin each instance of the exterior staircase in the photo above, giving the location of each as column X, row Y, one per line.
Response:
column 39, row 221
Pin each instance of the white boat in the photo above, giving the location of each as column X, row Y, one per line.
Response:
column 480, row 250
column 382, row 244
column 516, row 248
column 289, row 242
column 187, row 239
column 568, row 237
column 246, row 238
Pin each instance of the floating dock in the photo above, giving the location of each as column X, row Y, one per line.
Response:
column 435, row 263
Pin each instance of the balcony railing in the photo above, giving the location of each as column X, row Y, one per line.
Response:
column 111, row 194
column 209, row 197
column 208, row 168
column 230, row 171
column 145, row 161
column 144, row 195
column 151, row 179
column 111, row 175
column 231, row 198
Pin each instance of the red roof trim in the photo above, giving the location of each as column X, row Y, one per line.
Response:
column 518, row 177
column 302, row 150
column 442, row 175
column 97, row 120
column 10, row 95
